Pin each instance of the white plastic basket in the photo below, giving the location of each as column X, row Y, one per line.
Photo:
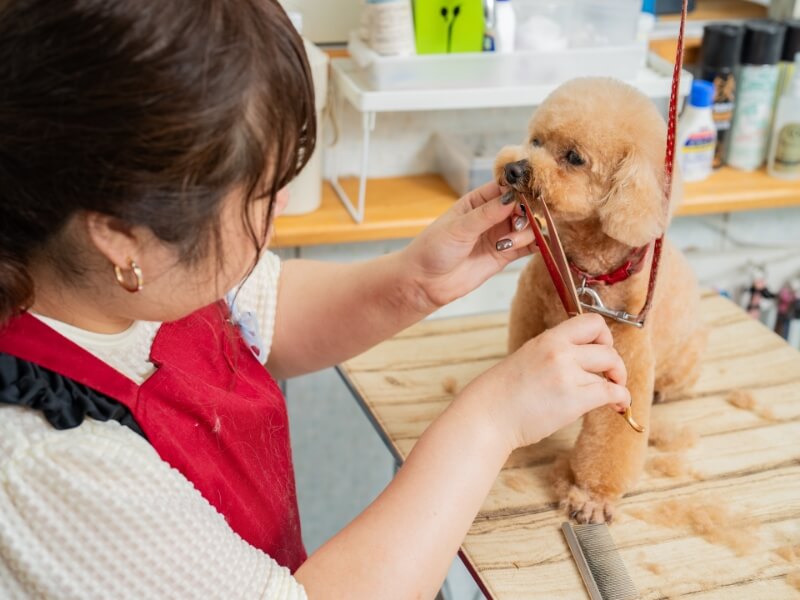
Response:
column 490, row 69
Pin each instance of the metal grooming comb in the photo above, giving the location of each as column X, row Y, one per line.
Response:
column 599, row 562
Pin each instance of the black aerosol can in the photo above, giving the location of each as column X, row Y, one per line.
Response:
column 719, row 56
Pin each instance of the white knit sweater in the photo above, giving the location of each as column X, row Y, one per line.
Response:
column 93, row 512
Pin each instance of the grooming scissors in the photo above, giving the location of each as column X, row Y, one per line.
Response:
column 555, row 259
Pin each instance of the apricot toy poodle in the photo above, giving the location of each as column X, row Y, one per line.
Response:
column 595, row 154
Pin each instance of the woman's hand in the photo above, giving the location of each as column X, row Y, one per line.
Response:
column 411, row 532
column 483, row 232
column 331, row 312
column 550, row 382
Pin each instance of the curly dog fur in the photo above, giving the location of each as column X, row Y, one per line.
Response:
column 605, row 207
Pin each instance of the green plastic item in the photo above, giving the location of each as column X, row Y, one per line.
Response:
column 444, row 26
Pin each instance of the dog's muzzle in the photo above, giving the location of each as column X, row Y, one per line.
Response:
column 518, row 174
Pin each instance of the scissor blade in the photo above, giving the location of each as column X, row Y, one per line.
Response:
column 564, row 288
column 555, row 259
column 560, row 258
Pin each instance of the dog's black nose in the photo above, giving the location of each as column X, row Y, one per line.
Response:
column 517, row 171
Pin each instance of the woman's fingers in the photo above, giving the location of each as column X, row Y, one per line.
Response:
column 519, row 220
column 604, row 392
column 518, row 241
column 485, row 216
column 488, row 206
column 486, row 193
column 588, row 328
column 599, row 358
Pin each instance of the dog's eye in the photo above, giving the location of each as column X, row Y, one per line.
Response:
column 575, row 159
column 536, row 142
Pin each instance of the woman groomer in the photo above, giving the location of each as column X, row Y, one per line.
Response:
column 144, row 450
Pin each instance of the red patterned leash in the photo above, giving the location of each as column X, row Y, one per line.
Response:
column 669, row 163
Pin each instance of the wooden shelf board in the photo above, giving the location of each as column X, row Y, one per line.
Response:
column 401, row 207
column 705, row 12
column 397, row 207
column 722, row 10
column 729, row 190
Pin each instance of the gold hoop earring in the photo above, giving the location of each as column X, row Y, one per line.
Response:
column 137, row 273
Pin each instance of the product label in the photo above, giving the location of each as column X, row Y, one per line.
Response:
column 787, row 152
column 722, row 112
column 751, row 122
column 724, row 96
column 697, row 154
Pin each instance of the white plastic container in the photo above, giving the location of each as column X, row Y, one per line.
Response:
column 390, row 27
column 559, row 24
column 644, row 29
column 467, row 161
column 543, row 25
column 493, row 69
column 605, row 23
column 505, row 26
column 784, row 154
column 697, row 133
column 305, row 190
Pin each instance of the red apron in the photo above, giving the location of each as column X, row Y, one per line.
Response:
column 210, row 410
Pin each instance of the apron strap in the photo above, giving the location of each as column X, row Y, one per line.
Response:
column 28, row 338
column 63, row 402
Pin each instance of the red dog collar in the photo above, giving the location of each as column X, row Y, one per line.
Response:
column 631, row 266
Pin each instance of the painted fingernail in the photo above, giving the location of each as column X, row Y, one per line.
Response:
column 507, row 198
column 504, row 245
column 519, row 223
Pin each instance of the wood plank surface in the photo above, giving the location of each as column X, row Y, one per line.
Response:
column 397, row 207
column 401, row 207
column 745, row 464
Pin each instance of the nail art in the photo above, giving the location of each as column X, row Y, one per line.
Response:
column 519, row 223
column 504, row 245
column 507, row 198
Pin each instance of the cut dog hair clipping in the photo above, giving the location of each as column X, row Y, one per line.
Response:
column 600, row 565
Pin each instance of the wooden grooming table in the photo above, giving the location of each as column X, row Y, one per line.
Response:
column 747, row 464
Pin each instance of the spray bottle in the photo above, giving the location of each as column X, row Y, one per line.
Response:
column 791, row 46
column 505, row 24
column 722, row 46
column 697, row 134
column 489, row 34
column 757, row 81
column 784, row 154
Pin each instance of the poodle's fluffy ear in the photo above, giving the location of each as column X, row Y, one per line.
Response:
column 633, row 212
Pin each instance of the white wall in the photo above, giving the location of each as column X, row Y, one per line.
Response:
column 327, row 21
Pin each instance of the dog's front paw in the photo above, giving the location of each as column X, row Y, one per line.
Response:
column 587, row 507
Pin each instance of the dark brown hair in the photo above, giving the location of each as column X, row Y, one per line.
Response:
column 148, row 111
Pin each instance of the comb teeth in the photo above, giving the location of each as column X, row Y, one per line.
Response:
column 599, row 562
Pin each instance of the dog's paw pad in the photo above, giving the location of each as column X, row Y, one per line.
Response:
column 584, row 507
